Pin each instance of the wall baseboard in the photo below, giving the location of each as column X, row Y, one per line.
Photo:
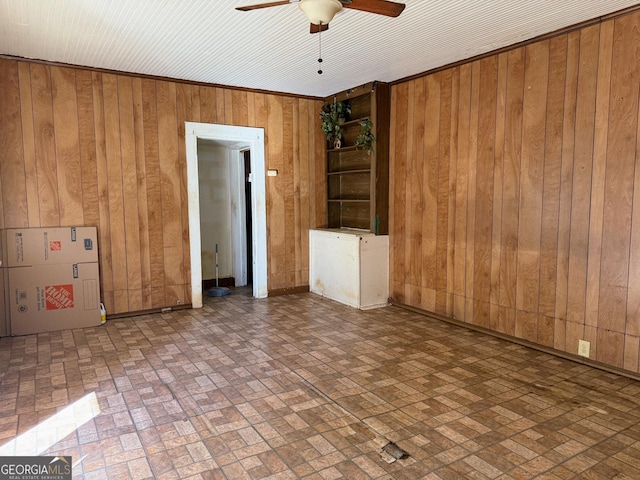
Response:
column 521, row 341
column 288, row 291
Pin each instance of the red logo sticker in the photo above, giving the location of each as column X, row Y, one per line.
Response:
column 55, row 246
column 59, row 296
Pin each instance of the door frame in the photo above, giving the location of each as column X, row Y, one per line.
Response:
column 253, row 136
column 238, row 213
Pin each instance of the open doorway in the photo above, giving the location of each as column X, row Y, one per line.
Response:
column 246, row 154
column 253, row 138
column 225, row 213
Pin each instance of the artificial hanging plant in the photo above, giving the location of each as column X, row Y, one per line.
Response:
column 365, row 139
column 333, row 116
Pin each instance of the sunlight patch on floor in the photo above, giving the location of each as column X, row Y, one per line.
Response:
column 46, row 434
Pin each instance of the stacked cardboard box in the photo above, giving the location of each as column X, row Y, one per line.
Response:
column 49, row 279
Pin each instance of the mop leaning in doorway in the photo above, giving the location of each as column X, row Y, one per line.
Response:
column 218, row 291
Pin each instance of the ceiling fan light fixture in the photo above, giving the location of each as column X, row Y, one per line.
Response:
column 320, row 12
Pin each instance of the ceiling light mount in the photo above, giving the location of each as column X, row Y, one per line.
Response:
column 320, row 12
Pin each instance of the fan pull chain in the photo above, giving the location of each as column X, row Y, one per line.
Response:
column 320, row 49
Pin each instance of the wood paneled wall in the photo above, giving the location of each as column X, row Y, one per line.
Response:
column 82, row 147
column 515, row 192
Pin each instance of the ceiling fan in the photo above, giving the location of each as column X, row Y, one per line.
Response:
column 321, row 12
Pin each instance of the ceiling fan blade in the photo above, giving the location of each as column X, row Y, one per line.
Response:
column 381, row 7
column 314, row 28
column 262, row 5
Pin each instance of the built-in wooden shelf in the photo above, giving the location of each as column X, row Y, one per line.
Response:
column 358, row 180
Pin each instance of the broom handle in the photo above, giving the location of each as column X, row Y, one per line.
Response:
column 216, row 265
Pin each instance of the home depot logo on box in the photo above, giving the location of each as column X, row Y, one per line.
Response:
column 55, row 246
column 58, row 297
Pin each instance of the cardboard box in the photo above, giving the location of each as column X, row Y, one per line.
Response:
column 44, row 246
column 46, row 298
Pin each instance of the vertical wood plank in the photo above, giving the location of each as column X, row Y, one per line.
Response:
column 631, row 353
column 183, row 111
column 66, row 136
column 208, row 102
column 226, row 98
column 306, row 109
column 295, row 197
column 598, row 174
column 416, row 260
column 130, row 193
column 251, row 109
column 143, row 207
column 488, row 84
column 154, row 195
column 288, row 182
column 239, row 112
column 406, row 219
column 460, row 265
column 28, row 141
column 583, row 164
column 552, row 176
column 221, row 107
column 392, row 190
column 399, row 169
column 195, row 104
column 610, row 348
column 429, row 137
column 498, row 174
column 115, row 192
column 12, row 168
column 314, row 163
column 170, row 192
column 442, row 194
column 472, row 166
column 566, row 179
column 529, row 231
column 451, row 217
column 511, row 180
column 45, row 146
column 104, row 228
column 321, row 191
column 87, row 146
column 275, row 195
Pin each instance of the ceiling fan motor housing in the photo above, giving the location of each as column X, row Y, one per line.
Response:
column 320, row 12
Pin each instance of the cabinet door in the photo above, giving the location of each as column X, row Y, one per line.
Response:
column 334, row 266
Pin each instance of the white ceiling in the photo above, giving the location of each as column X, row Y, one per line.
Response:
column 271, row 49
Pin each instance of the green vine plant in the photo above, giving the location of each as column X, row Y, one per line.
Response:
column 365, row 139
column 333, row 115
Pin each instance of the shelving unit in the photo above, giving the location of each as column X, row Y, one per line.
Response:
column 358, row 180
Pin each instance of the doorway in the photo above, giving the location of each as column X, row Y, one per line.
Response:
column 247, row 202
column 254, row 138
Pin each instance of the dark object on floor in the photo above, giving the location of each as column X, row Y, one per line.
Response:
column 395, row 451
column 218, row 291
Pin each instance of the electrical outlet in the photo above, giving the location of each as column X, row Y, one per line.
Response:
column 583, row 348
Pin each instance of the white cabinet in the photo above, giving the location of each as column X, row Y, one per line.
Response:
column 349, row 266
